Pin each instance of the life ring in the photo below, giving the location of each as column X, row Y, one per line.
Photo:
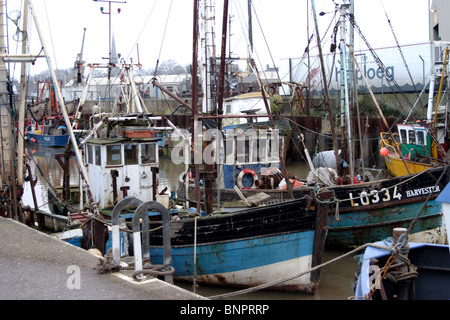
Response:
column 244, row 173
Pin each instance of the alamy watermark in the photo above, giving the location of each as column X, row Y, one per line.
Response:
column 74, row 279
column 226, row 147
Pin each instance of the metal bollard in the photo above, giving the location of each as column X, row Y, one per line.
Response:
column 115, row 215
column 137, row 248
column 142, row 211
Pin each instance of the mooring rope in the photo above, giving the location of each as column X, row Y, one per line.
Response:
column 392, row 247
column 276, row 282
column 106, row 265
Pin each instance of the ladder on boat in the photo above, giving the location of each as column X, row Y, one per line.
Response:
column 208, row 53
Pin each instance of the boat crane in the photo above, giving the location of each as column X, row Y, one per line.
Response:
column 79, row 63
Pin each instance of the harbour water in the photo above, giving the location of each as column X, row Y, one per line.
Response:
column 336, row 278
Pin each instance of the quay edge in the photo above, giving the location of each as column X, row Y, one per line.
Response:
column 37, row 266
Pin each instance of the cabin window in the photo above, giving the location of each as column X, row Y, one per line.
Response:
column 131, row 154
column 90, row 154
column 148, row 153
column 113, row 155
column 421, row 137
column 263, row 149
column 229, row 145
column 241, row 147
column 412, row 137
column 403, row 136
column 98, row 156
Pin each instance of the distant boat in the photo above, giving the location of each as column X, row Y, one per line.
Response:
column 47, row 125
column 418, row 146
column 49, row 133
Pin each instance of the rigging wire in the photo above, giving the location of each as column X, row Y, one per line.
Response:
column 401, row 52
column 50, row 33
column 390, row 80
column 265, row 40
column 163, row 37
column 142, row 29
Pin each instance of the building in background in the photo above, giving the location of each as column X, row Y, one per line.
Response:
column 440, row 20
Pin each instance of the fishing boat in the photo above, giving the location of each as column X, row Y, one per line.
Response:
column 47, row 126
column 228, row 246
column 418, row 146
column 293, row 230
column 365, row 212
column 396, row 269
column 50, row 132
column 366, row 209
column 363, row 209
column 230, row 249
column 223, row 247
column 120, row 153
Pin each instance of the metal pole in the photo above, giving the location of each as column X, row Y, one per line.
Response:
column 325, row 86
column 195, row 124
column 63, row 109
column 345, row 97
column 23, row 94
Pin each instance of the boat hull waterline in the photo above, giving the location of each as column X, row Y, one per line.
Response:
column 249, row 247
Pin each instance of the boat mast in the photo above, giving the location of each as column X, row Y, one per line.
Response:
column 207, row 55
column 8, row 187
column 222, row 60
column 345, row 104
column 23, row 94
column 194, row 128
column 250, row 28
column 64, row 111
column 325, row 86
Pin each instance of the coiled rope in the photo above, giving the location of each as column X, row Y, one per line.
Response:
column 106, row 265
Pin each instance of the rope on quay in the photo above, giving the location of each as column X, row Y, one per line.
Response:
column 106, row 265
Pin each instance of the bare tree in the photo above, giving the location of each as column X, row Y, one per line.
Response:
column 170, row 67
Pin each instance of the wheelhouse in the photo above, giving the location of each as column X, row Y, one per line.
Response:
column 414, row 138
column 120, row 167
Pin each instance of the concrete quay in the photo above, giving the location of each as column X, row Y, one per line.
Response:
column 37, row 266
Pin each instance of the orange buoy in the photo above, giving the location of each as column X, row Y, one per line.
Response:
column 384, row 152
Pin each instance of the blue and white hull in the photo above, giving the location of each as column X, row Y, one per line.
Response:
column 48, row 140
column 246, row 262
column 249, row 247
